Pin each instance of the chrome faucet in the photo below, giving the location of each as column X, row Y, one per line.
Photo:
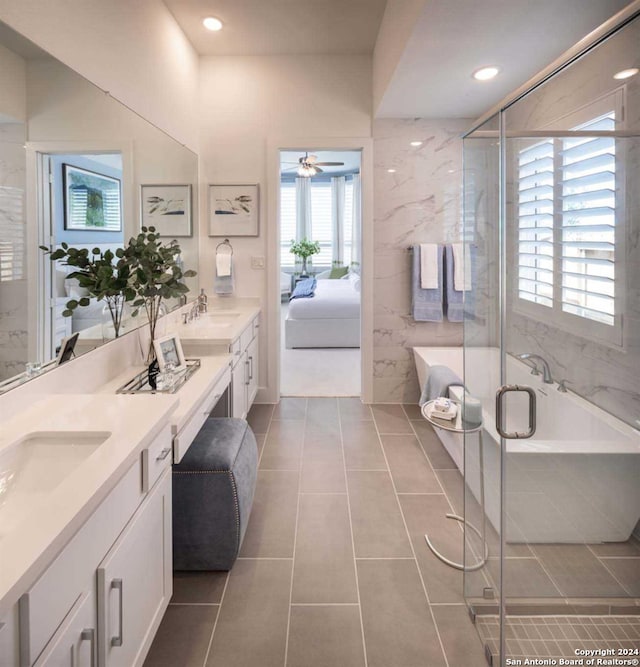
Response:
column 546, row 371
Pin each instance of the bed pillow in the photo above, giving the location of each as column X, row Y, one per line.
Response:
column 354, row 280
column 73, row 289
column 338, row 272
column 305, row 289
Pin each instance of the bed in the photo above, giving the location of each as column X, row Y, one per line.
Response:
column 329, row 319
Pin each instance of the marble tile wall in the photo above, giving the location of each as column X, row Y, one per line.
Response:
column 13, row 293
column 420, row 202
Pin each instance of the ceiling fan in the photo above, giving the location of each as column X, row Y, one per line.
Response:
column 308, row 165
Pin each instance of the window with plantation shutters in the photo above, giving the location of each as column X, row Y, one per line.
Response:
column 321, row 222
column 348, row 222
column 567, row 210
column 287, row 221
column 12, row 234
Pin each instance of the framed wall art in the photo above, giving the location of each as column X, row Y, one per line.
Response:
column 92, row 201
column 234, row 210
column 167, row 208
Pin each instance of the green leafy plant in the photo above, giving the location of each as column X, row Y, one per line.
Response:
column 304, row 249
column 105, row 275
column 156, row 275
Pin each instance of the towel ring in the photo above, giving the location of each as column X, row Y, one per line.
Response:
column 225, row 243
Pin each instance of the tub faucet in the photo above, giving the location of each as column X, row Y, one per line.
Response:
column 546, row 371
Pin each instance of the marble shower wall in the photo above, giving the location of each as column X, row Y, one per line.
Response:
column 420, row 203
column 13, row 292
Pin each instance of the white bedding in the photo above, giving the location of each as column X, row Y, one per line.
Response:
column 333, row 300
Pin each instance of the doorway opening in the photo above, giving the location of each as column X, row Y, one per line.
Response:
column 320, row 227
column 81, row 204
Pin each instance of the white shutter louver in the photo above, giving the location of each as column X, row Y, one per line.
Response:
column 287, row 222
column 321, row 222
column 12, row 234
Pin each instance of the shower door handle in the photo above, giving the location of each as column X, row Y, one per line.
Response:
column 505, row 389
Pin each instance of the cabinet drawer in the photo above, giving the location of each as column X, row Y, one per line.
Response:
column 182, row 441
column 45, row 605
column 235, row 350
column 156, row 458
column 74, row 643
column 246, row 337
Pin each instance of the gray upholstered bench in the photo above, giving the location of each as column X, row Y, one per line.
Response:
column 213, row 490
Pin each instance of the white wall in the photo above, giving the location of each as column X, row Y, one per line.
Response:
column 398, row 23
column 248, row 103
column 132, row 48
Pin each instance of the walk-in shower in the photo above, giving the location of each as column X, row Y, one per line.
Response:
column 552, row 206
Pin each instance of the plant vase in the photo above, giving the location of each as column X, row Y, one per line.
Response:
column 114, row 314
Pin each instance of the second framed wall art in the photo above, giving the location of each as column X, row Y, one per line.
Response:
column 234, row 210
column 167, row 208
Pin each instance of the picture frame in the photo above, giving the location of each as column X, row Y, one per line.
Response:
column 92, row 201
column 234, row 210
column 167, row 208
column 169, row 348
column 67, row 346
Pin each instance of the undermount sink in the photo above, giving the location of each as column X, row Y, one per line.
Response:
column 36, row 464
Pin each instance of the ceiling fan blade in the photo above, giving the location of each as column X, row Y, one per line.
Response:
column 296, row 163
column 290, row 168
column 330, row 164
column 315, row 166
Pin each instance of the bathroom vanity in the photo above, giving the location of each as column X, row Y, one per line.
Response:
column 85, row 528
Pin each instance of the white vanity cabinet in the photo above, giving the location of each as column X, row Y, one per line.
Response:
column 244, row 374
column 101, row 600
column 134, row 584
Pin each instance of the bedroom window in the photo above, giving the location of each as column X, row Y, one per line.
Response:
column 348, row 222
column 567, row 252
column 321, row 222
column 287, row 222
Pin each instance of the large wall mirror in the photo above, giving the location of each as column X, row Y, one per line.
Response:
column 79, row 167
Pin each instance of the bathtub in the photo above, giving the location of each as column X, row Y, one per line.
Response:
column 575, row 481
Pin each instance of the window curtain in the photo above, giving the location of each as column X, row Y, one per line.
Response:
column 303, row 208
column 356, row 221
column 337, row 219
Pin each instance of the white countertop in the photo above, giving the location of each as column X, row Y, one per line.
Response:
column 190, row 394
column 211, row 327
column 49, row 521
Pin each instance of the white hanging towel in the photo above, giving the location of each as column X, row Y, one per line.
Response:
column 461, row 258
column 223, row 264
column 429, row 266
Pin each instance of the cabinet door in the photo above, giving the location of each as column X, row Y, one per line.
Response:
column 239, row 380
column 74, row 644
column 252, row 357
column 135, row 582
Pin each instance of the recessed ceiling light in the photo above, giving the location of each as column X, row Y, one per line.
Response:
column 416, row 143
column 626, row 73
column 485, row 73
column 391, row 171
column 212, row 23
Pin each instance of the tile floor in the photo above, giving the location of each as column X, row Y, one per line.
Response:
column 334, row 571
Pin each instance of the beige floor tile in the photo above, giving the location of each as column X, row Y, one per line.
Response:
column 629, row 548
column 353, row 409
column 390, row 418
column 433, row 448
column 426, row 514
column 398, row 627
column 252, row 628
column 259, row 417
column 290, row 408
column 523, row 577
column 462, row 644
column 322, row 410
column 198, row 587
column 326, row 636
column 576, row 571
column 362, row 450
column 409, row 467
column 283, row 447
column 324, row 569
column 626, row 571
column 272, row 524
column 412, row 410
column 183, row 636
column 378, row 529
